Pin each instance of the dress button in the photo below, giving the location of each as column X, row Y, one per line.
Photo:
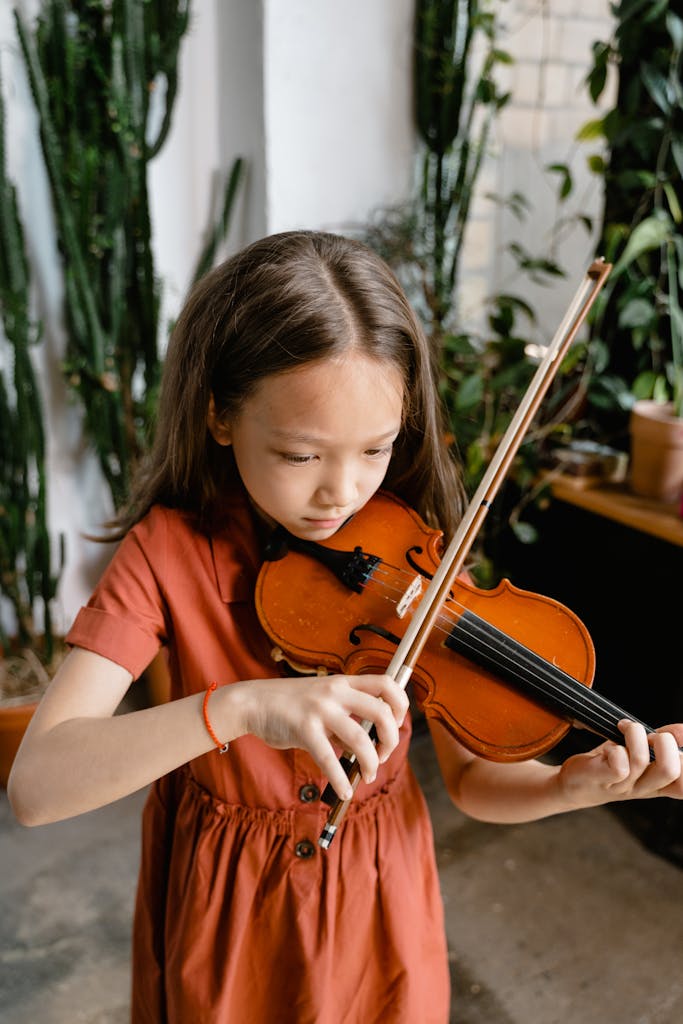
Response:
column 309, row 793
column 304, row 849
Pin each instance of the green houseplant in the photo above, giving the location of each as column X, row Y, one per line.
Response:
column 638, row 332
column 103, row 75
column 104, row 78
column 28, row 578
column 484, row 369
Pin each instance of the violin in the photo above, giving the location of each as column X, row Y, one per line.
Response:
column 506, row 671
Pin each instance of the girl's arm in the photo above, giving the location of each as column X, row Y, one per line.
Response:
column 527, row 790
column 77, row 755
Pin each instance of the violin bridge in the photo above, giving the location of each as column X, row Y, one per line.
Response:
column 413, row 591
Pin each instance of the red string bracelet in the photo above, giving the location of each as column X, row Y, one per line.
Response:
column 222, row 747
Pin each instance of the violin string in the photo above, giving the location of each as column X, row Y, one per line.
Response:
column 550, row 680
column 594, row 709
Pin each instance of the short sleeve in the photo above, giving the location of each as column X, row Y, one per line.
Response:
column 125, row 619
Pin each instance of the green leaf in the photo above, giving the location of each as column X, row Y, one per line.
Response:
column 656, row 9
column 600, row 355
column 525, row 532
column 674, row 26
column 596, row 164
column 660, row 392
column 672, row 200
column 591, row 130
column 657, row 86
column 637, row 313
column 566, row 183
column 677, row 153
column 636, row 179
column 596, row 81
column 644, row 384
column 470, row 392
column 646, row 236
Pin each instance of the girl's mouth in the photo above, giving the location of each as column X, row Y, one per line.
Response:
column 326, row 524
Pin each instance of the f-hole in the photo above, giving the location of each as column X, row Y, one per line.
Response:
column 413, row 564
column 377, row 630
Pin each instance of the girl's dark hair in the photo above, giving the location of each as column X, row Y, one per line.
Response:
column 284, row 301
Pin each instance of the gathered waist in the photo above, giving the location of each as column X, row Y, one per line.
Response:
column 282, row 819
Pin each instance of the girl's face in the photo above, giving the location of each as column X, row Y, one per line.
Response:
column 313, row 445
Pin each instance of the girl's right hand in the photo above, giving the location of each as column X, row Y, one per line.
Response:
column 319, row 713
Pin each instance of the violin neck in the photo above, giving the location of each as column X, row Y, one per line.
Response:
column 510, row 661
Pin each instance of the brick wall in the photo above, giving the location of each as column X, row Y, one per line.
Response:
column 551, row 42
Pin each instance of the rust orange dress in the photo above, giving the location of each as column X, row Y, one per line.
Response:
column 241, row 918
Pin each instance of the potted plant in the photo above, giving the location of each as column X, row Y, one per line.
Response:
column 638, row 330
column 656, row 423
column 28, row 646
column 103, row 77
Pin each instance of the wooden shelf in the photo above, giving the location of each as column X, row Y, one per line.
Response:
column 616, row 502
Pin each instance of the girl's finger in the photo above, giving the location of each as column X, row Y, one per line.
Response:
column 355, row 738
column 646, row 776
column 668, row 764
column 637, row 747
column 386, row 688
column 322, row 752
column 377, row 711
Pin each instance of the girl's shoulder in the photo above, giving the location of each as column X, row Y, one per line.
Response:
column 161, row 524
column 176, row 545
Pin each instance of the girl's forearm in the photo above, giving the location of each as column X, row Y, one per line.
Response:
column 525, row 791
column 81, row 763
column 502, row 793
column 104, row 759
column 508, row 794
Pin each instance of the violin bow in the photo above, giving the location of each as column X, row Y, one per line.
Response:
column 427, row 611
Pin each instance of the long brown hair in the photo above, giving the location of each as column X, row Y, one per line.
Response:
column 286, row 300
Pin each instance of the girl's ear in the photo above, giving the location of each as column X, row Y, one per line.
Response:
column 220, row 431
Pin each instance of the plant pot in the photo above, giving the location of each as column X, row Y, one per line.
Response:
column 656, row 451
column 13, row 722
column 24, row 677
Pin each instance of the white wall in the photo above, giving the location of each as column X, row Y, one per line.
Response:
column 316, row 95
column 551, row 42
column 338, row 124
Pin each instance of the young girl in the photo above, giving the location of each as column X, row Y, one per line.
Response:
column 297, row 382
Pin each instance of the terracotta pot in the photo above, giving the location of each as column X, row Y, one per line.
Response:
column 13, row 723
column 656, row 451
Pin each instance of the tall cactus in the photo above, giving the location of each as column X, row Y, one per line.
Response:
column 103, row 73
column 27, row 580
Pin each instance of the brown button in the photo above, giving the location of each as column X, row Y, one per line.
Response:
column 309, row 793
column 304, row 849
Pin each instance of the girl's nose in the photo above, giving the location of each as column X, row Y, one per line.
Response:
column 338, row 488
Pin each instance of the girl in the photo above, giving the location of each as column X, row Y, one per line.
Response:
column 297, row 381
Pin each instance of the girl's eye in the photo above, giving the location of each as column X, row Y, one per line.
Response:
column 379, row 453
column 297, row 460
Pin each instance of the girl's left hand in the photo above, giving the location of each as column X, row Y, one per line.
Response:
column 613, row 772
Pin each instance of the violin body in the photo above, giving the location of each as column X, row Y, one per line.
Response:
column 475, row 670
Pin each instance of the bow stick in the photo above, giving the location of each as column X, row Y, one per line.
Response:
column 408, row 651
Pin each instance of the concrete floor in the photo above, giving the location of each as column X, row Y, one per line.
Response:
column 567, row 921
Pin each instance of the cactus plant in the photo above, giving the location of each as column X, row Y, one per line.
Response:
column 27, row 579
column 104, row 77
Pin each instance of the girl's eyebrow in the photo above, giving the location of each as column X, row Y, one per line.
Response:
column 293, row 435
